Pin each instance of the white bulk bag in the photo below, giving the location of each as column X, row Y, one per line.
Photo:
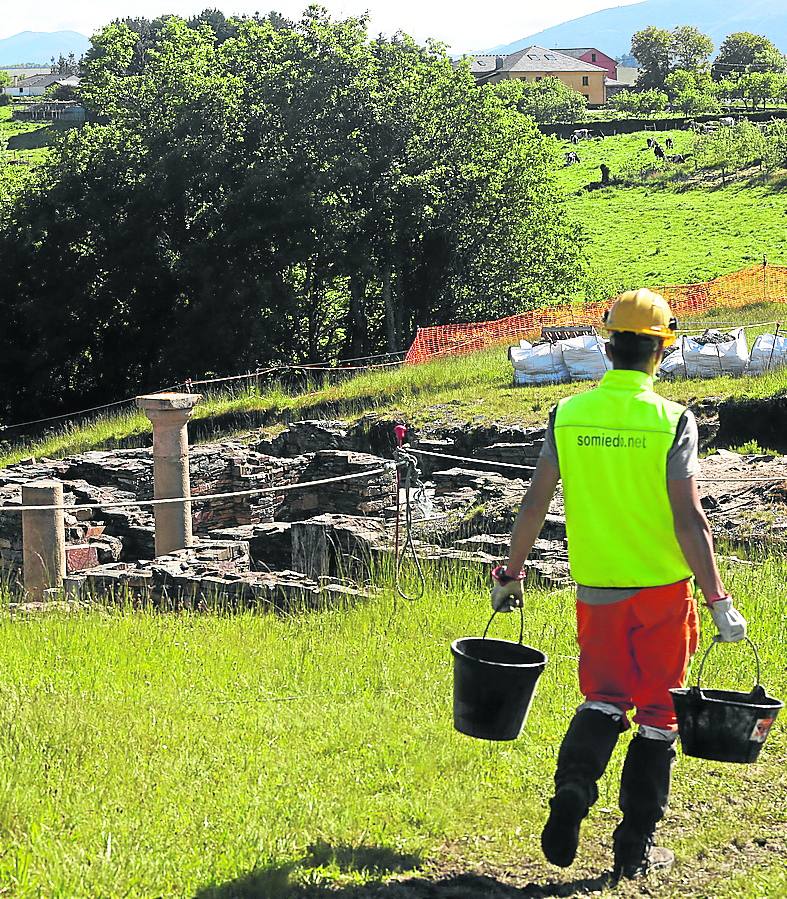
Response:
column 715, row 359
column 768, row 352
column 672, row 366
column 541, row 364
column 585, row 357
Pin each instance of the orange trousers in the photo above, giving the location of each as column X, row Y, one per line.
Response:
column 632, row 653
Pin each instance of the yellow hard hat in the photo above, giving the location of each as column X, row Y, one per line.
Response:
column 642, row 312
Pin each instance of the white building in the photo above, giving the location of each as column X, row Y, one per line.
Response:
column 38, row 85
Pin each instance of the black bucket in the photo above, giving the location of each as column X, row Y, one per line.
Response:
column 494, row 683
column 724, row 725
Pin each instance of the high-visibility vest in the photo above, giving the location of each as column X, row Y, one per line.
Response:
column 612, row 446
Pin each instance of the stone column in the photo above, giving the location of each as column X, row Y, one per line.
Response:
column 43, row 538
column 170, row 414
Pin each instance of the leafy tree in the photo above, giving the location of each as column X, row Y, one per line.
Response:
column 292, row 191
column 652, row 47
column 690, row 48
column 64, row 65
column 730, row 149
column 548, row 100
column 5, row 78
column 639, row 103
column 759, row 87
column 775, row 155
column 744, row 51
column 692, row 92
column 661, row 52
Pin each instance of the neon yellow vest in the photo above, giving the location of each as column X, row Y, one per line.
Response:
column 612, row 446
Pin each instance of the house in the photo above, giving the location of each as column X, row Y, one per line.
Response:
column 628, row 75
column 38, row 85
column 615, row 87
column 534, row 63
column 594, row 57
column 17, row 73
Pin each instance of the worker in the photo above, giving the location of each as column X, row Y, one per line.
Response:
column 636, row 532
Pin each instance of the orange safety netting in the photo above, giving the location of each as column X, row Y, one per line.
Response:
column 762, row 283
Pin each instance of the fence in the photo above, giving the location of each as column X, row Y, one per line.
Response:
column 611, row 127
column 762, row 283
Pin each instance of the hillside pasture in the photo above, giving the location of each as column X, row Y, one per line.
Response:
column 662, row 223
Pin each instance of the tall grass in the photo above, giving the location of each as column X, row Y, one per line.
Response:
column 146, row 755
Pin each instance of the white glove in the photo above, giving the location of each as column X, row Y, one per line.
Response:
column 506, row 596
column 729, row 622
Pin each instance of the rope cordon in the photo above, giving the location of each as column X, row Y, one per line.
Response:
column 123, row 504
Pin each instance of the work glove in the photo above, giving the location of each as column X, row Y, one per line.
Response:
column 729, row 622
column 506, row 593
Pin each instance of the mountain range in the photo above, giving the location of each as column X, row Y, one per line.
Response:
column 38, row 47
column 610, row 30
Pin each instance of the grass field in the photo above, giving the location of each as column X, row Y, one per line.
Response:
column 27, row 141
column 669, row 233
column 146, row 755
column 23, row 146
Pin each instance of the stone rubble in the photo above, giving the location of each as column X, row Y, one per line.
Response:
column 296, row 548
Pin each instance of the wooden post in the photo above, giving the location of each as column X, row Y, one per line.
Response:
column 775, row 338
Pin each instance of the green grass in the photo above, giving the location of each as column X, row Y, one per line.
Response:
column 26, row 140
column 660, row 232
column 146, row 755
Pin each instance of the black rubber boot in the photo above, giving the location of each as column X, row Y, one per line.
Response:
column 583, row 757
column 644, row 795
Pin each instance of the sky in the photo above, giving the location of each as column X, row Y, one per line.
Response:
column 465, row 27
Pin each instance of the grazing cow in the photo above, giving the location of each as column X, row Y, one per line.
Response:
column 680, row 157
column 572, row 158
column 658, row 152
column 669, row 143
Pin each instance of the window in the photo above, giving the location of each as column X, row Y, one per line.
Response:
column 585, row 81
column 532, row 55
column 593, row 57
column 550, row 56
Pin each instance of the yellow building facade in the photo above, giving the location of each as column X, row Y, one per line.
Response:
column 592, row 85
column 535, row 63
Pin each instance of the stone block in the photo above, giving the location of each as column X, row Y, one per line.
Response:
column 80, row 558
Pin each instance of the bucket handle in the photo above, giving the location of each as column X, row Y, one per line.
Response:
column 715, row 643
column 521, row 625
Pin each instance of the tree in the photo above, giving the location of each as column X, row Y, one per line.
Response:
column 5, row 78
column 730, row 149
column 759, row 87
column 652, row 47
column 743, row 52
column 294, row 191
column 689, row 48
column 64, row 65
column 548, row 100
column 639, row 103
column 661, row 52
column 692, row 92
